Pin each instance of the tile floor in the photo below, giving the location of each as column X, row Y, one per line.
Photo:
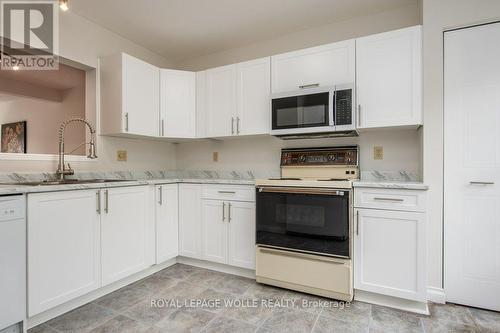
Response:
column 129, row 310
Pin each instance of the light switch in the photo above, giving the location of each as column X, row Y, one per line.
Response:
column 215, row 156
column 378, row 153
column 121, row 155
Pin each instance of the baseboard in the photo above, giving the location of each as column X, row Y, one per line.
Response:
column 93, row 295
column 392, row 302
column 248, row 273
column 436, row 295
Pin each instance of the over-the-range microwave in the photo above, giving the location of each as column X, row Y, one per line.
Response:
column 314, row 112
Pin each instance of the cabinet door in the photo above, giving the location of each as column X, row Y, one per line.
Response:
column 221, row 101
column 178, row 104
column 201, row 104
column 63, row 247
column 389, row 253
column 254, row 89
column 140, row 97
column 389, row 78
column 214, row 231
column 190, row 218
column 325, row 65
column 127, row 230
column 241, row 229
column 167, row 222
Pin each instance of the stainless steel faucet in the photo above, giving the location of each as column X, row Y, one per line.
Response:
column 62, row 170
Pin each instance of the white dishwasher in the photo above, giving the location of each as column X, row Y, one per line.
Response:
column 12, row 260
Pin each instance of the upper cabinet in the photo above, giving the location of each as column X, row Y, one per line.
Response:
column 130, row 96
column 389, row 79
column 326, row 65
column 177, row 104
column 234, row 100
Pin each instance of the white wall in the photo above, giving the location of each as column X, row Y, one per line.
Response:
column 83, row 42
column 439, row 16
column 262, row 154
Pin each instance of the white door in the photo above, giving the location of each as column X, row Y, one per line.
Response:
column 241, row 230
column 190, row 218
column 126, row 229
column 63, row 247
column 472, row 166
column 389, row 253
column 389, row 78
column 214, row 230
column 221, row 101
column 254, row 103
column 167, row 222
column 140, row 96
column 201, row 104
column 178, row 104
column 325, row 65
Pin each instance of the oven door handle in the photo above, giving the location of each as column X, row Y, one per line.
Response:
column 301, row 190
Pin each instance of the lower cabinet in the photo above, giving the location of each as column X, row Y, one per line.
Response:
column 127, row 232
column 167, row 222
column 190, row 220
column 229, row 232
column 63, row 247
column 389, row 253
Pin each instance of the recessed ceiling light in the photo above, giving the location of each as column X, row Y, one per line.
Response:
column 63, row 4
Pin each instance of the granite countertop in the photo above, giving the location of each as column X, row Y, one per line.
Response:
column 404, row 185
column 21, row 189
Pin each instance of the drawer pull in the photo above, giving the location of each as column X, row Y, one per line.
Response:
column 299, row 255
column 227, row 192
column 389, row 199
column 482, row 183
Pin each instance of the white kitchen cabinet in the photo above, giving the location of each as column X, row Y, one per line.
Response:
column 167, row 222
column 177, row 104
column 253, row 98
column 130, row 96
column 201, row 104
column 63, row 247
column 127, row 232
column 241, row 234
column 221, row 101
column 389, row 78
column 325, row 65
column 190, row 219
column 389, row 253
column 214, row 231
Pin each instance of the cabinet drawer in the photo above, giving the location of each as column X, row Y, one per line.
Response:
column 392, row 199
column 229, row 192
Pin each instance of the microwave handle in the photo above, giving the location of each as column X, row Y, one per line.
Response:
column 332, row 115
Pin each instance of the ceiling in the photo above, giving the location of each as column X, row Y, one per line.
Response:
column 183, row 29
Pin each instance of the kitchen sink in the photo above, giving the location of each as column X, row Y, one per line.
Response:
column 68, row 182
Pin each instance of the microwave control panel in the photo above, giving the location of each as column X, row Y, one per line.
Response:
column 320, row 156
column 343, row 107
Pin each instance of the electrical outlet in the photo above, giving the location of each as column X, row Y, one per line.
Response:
column 215, row 156
column 378, row 153
column 121, row 155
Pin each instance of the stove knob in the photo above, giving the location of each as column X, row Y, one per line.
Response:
column 331, row 157
column 302, row 158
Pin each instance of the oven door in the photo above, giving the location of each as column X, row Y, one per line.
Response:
column 304, row 111
column 314, row 220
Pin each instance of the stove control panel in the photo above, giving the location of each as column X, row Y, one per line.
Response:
column 320, row 156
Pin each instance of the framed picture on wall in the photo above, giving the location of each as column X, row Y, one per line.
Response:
column 14, row 137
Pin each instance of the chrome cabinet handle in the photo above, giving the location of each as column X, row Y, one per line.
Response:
column 223, row 211
column 163, row 127
column 98, row 202
column 227, row 192
column 106, row 201
column 357, row 222
column 237, row 125
column 229, row 212
column 126, row 122
column 312, row 85
column 389, row 199
column 160, row 190
column 232, row 125
column 482, row 183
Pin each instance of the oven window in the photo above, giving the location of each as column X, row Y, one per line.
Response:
column 309, row 222
column 300, row 111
